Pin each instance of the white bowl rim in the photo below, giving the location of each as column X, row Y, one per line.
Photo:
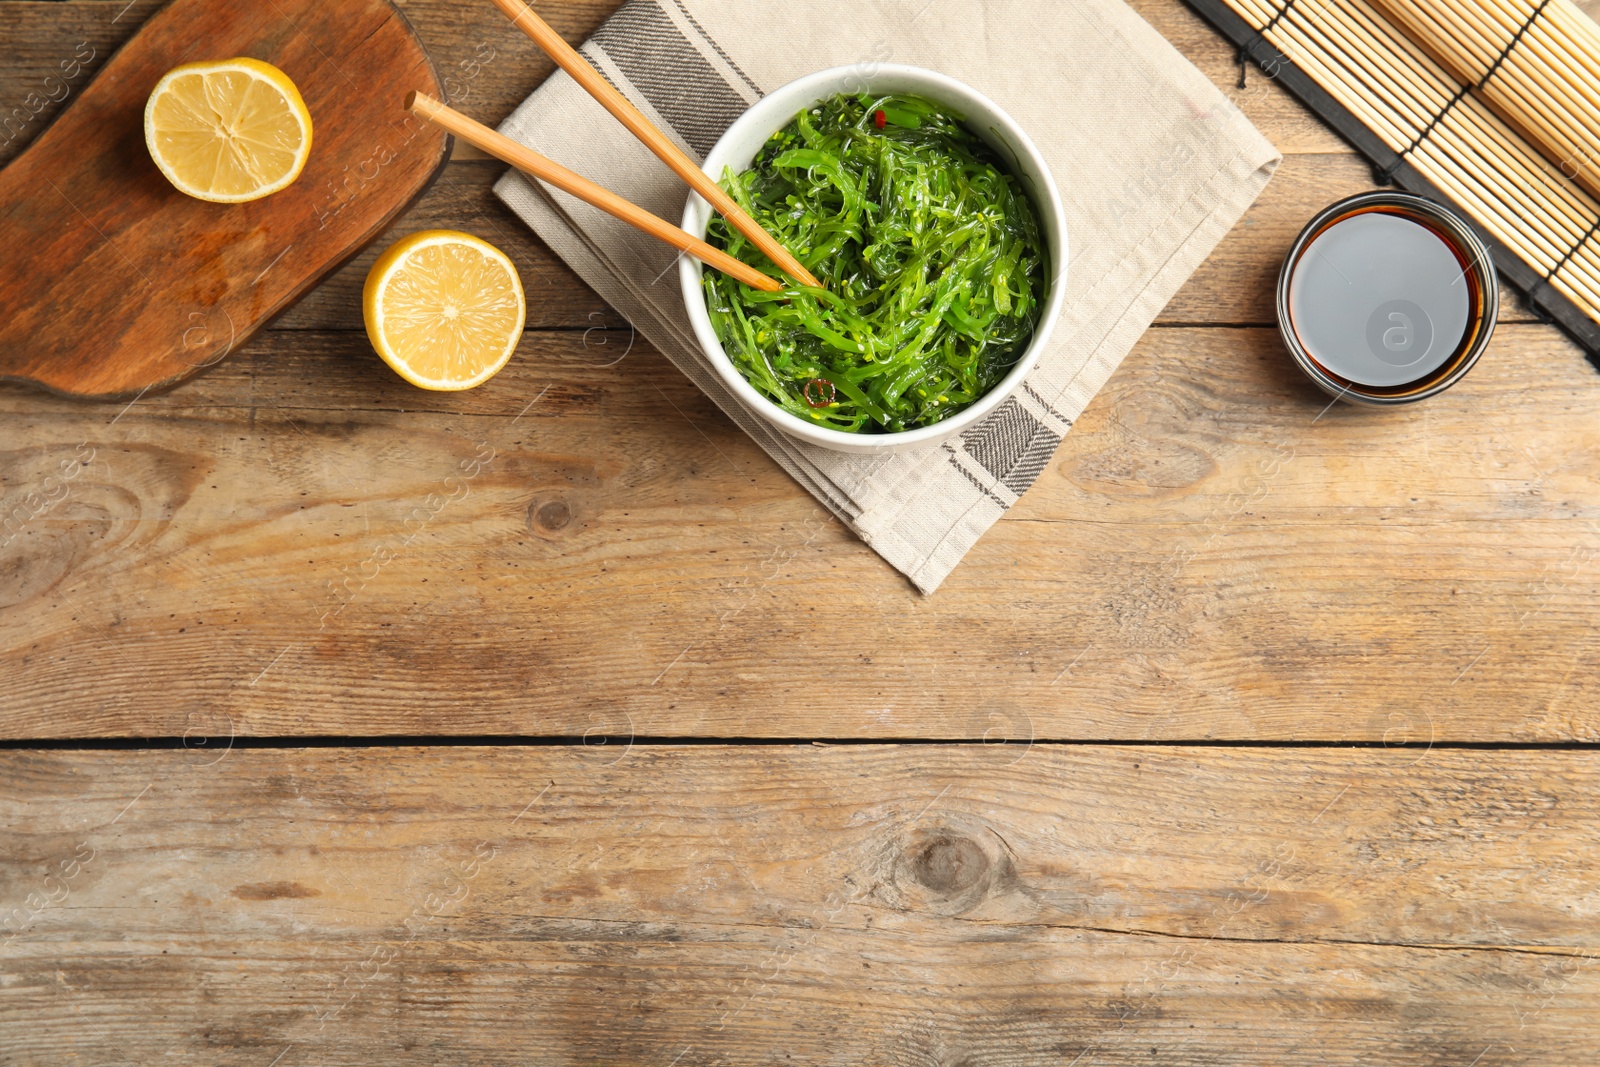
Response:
column 697, row 216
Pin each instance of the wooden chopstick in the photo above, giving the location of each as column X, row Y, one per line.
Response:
column 568, row 59
column 525, row 159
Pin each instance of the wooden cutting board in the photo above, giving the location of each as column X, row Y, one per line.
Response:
column 112, row 282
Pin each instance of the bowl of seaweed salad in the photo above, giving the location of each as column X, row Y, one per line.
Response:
column 936, row 231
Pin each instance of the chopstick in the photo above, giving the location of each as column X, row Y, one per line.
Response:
column 525, row 159
column 569, row 60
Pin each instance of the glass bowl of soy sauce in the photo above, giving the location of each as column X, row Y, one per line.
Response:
column 1387, row 298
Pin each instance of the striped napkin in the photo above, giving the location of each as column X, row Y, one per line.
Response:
column 1153, row 162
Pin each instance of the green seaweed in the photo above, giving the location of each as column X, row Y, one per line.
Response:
column 930, row 255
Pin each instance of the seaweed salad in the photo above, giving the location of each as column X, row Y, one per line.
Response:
column 929, row 252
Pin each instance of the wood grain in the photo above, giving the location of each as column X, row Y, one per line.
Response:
column 285, row 546
column 1214, row 552
column 116, row 283
column 930, row 905
column 1210, row 555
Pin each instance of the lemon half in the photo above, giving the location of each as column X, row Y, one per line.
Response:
column 227, row 131
column 444, row 309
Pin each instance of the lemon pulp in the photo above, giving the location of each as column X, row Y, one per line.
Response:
column 228, row 131
column 444, row 309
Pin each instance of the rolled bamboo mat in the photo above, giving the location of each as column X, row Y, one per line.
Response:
column 1491, row 105
column 1535, row 62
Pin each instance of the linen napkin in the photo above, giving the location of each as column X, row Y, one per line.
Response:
column 1154, row 165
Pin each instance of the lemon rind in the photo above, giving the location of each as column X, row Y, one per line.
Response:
column 384, row 269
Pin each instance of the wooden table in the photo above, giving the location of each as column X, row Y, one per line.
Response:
column 1257, row 733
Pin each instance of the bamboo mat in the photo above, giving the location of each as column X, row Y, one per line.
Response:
column 1459, row 110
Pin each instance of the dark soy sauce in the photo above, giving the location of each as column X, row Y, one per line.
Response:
column 1386, row 298
column 1380, row 299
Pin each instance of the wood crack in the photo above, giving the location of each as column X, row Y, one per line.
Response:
column 1134, row 931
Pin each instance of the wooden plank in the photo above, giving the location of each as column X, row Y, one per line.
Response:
column 1214, row 552
column 639, row 904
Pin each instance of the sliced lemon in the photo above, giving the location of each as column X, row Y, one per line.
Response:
column 227, row 131
column 444, row 309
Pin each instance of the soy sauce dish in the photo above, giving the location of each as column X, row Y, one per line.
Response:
column 1387, row 298
column 915, row 339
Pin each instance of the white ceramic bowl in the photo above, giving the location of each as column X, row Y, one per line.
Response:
column 773, row 112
